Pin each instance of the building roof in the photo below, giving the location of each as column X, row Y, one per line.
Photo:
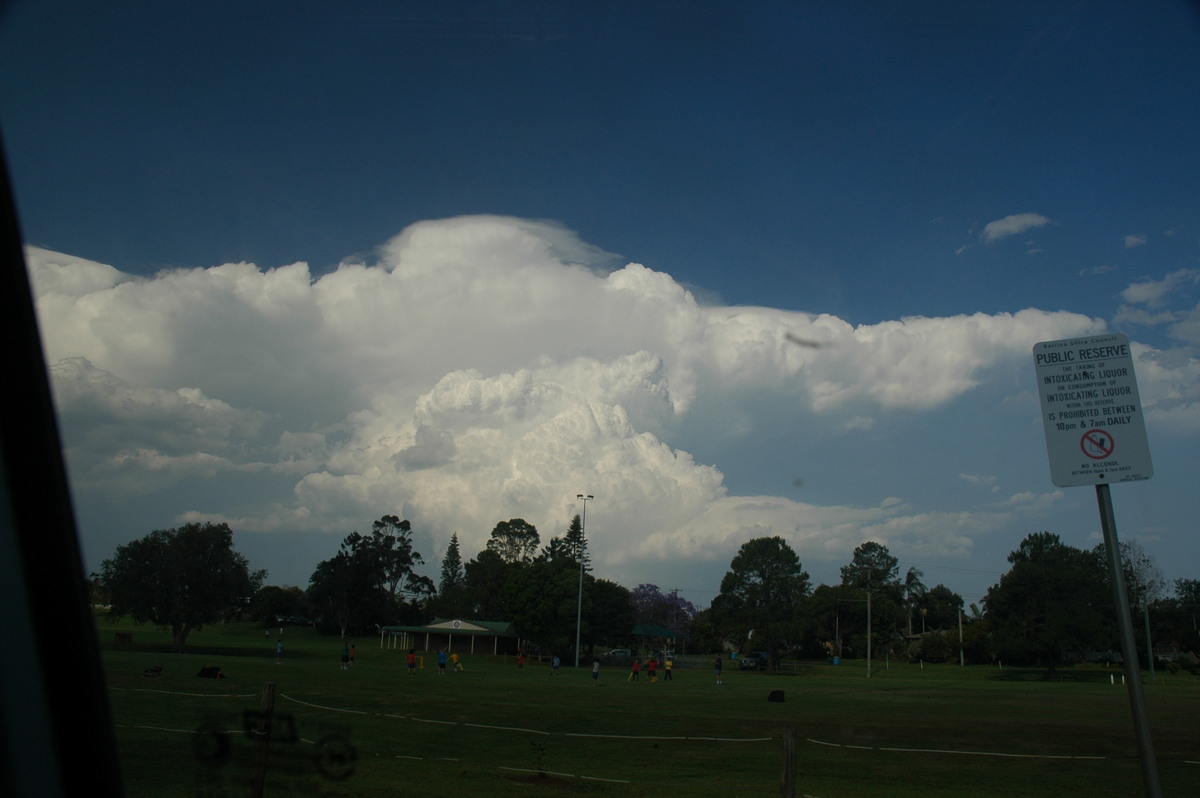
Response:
column 460, row 626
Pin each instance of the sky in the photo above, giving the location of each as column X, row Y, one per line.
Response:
column 775, row 269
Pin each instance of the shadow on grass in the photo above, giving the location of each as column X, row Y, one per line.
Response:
column 1091, row 675
column 213, row 650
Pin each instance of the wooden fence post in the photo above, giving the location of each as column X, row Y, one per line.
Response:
column 267, row 711
column 787, row 785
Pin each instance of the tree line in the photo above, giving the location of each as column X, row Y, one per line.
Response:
column 1052, row 606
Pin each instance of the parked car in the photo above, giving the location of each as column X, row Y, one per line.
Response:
column 618, row 656
column 754, row 661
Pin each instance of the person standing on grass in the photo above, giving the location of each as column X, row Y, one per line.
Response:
column 520, row 660
column 596, row 672
column 554, row 664
column 353, row 651
column 652, row 666
column 668, row 666
column 441, row 662
column 345, row 655
column 279, row 651
column 455, row 662
column 411, row 659
column 637, row 668
column 717, row 668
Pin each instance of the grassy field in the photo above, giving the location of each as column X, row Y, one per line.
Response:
column 492, row 730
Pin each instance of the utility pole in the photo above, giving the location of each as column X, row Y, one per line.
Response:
column 585, row 498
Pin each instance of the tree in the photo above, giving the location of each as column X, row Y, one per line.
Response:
column 486, row 575
column 371, row 579
column 872, row 566
column 1144, row 583
column 653, row 607
column 1187, row 593
column 836, row 613
column 391, row 546
column 941, row 606
column 874, row 569
column 575, row 543
column 515, row 540
column 344, row 590
column 607, row 612
column 913, row 591
column 760, row 592
column 1053, row 600
column 453, row 599
column 570, row 546
column 272, row 601
column 541, row 601
column 1173, row 620
column 705, row 631
column 179, row 579
column 453, row 575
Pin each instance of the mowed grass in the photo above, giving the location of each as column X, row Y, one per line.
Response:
column 493, row 730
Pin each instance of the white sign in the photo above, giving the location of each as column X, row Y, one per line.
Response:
column 1095, row 431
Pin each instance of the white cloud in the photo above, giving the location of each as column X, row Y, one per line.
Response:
column 992, row 483
column 1132, row 241
column 1187, row 329
column 1153, row 293
column 1012, row 225
column 486, row 368
column 1127, row 314
column 1169, row 385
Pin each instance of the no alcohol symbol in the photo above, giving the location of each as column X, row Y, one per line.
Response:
column 1097, row 444
column 335, row 757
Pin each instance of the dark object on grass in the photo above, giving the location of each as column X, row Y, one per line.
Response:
column 776, row 696
column 210, row 673
column 153, row 670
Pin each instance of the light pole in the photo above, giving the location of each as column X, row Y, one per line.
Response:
column 585, row 498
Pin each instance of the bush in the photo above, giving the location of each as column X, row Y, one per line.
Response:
column 936, row 647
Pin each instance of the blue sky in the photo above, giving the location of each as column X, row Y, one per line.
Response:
column 929, row 190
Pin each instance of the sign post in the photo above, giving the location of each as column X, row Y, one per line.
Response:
column 1096, row 435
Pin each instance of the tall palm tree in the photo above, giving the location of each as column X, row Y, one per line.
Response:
column 914, row 591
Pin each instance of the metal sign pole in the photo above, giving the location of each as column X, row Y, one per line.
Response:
column 1096, row 435
column 1137, row 698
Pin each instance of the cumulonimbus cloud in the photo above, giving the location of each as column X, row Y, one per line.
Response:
column 484, row 368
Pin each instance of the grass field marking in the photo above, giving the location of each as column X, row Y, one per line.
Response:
column 540, row 772
column 610, row 781
column 958, row 753
column 991, row 753
column 322, row 706
column 630, row 736
column 430, row 720
column 507, row 728
column 189, row 695
column 531, row 731
column 564, row 775
column 179, row 731
column 652, row 737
